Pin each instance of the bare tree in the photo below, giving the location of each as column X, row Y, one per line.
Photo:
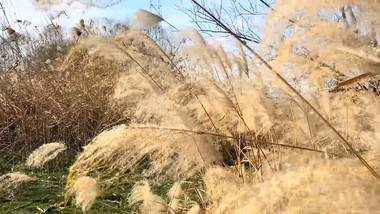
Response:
column 46, row 4
column 21, row 42
column 243, row 17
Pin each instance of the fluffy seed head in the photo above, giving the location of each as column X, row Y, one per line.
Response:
column 81, row 24
column 14, row 179
column 86, row 190
column 143, row 19
column 76, row 31
column 10, row 31
column 151, row 203
column 45, row 153
column 11, row 182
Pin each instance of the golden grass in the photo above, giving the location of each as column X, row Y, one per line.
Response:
column 306, row 183
column 259, row 146
column 242, row 122
column 70, row 104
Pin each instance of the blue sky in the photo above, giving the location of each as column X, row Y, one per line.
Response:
column 24, row 10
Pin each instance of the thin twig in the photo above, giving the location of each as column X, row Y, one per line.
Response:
column 266, row 4
column 200, row 132
column 353, row 80
column 199, row 151
column 145, row 71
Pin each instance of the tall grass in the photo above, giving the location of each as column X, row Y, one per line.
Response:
column 251, row 122
column 254, row 140
column 68, row 103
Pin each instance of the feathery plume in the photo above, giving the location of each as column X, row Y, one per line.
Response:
column 14, row 179
column 174, row 194
column 86, row 191
column 194, row 210
column 11, row 182
column 143, row 19
column 193, row 34
column 45, row 153
column 151, row 203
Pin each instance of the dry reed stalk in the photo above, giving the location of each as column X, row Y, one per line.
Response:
column 199, row 132
column 353, row 80
column 236, row 109
column 343, row 140
column 244, row 57
column 236, row 105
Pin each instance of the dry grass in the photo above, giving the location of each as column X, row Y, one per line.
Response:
column 69, row 104
column 114, row 153
column 306, row 184
column 259, row 145
column 241, row 119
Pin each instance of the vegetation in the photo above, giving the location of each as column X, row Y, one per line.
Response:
column 112, row 122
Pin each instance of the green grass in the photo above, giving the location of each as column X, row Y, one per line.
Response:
column 48, row 190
